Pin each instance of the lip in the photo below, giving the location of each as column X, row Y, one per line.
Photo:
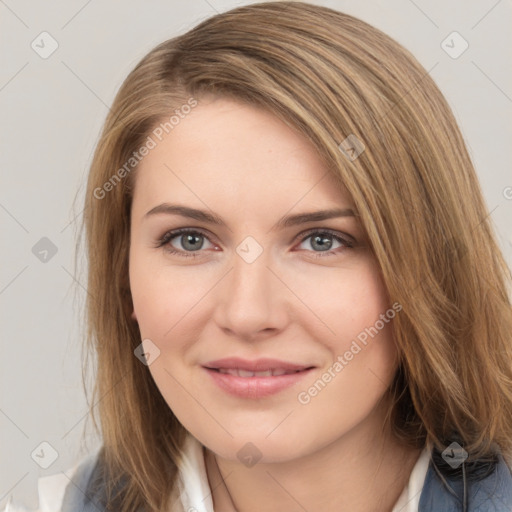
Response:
column 256, row 386
column 257, row 365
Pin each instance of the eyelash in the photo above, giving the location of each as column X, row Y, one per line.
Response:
column 170, row 235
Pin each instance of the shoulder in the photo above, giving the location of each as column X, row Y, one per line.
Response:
column 64, row 491
column 83, row 487
column 489, row 490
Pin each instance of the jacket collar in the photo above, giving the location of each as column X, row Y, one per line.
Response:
column 490, row 494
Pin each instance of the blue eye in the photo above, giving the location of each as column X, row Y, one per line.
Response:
column 192, row 242
column 323, row 240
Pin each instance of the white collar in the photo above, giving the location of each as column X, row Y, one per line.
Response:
column 193, row 483
column 410, row 498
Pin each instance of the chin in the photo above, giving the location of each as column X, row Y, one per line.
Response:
column 256, row 446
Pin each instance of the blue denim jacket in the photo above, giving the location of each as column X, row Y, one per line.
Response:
column 493, row 493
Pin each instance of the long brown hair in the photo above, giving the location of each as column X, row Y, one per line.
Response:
column 329, row 76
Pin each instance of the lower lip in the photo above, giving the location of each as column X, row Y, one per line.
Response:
column 255, row 387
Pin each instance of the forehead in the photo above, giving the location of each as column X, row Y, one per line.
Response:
column 236, row 155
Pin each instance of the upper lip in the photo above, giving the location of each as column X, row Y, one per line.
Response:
column 256, row 365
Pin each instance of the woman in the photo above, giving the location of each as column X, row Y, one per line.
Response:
column 295, row 296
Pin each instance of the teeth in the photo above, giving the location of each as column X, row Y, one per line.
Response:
column 245, row 373
column 266, row 373
column 230, row 371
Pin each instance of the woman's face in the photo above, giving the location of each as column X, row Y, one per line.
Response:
column 247, row 279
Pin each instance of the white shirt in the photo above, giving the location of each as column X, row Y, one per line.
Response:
column 195, row 493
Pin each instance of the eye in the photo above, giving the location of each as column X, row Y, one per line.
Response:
column 190, row 240
column 323, row 240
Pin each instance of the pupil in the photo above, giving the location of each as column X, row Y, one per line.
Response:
column 189, row 239
column 324, row 242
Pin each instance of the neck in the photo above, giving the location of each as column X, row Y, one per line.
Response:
column 364, row 470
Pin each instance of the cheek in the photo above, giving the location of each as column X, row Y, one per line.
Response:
column 348, row 302
column 162, row 299
column 363, row 358
column 164, row 304
column 362, row 354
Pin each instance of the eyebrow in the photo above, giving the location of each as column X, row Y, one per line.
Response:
column 285, row 222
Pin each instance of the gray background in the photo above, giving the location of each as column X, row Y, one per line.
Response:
column 52, row 110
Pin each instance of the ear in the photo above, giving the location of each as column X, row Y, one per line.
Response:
column 133, row 315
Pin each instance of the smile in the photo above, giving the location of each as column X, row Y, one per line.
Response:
column 255, row 379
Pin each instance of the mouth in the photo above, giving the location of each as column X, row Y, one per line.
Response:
column 271, row 372
column 266, row 364
column 255, row 379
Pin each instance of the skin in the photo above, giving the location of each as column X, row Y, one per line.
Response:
column 251, row 169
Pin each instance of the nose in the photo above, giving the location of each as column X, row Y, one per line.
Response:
column 252, row 302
